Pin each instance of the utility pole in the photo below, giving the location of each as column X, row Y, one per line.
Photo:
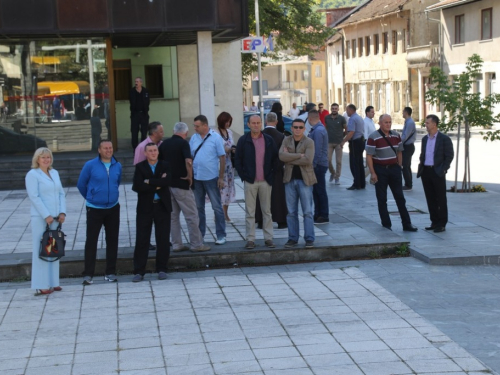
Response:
column 259, row 66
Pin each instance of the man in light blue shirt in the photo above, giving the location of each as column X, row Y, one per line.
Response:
column 408, row 138
column 355, row 132
column 209, row 162
column 319, row 135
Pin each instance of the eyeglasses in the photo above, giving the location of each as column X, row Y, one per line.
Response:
column 298, row 127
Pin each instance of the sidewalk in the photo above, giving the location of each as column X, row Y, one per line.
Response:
column 471, row 235
column 302, row 319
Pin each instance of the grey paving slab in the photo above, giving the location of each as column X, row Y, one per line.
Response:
column 269, row 337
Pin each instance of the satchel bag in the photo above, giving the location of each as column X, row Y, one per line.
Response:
column 52, row 244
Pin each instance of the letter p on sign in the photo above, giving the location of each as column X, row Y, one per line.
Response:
column 252, row 45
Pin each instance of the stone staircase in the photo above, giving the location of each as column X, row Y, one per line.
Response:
column 13, row 169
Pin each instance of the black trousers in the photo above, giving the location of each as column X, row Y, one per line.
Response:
column 390, row 177
column 144, row 224
column 96, row 218
column 139, row 121
column 435, row 194
column 409, row 150
column 356, row 148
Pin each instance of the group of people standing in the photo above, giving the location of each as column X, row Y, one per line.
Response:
column 174, row 176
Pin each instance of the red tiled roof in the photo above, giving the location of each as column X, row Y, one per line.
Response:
column 374, row 9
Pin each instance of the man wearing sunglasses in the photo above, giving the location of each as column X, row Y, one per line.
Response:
column 297, row 152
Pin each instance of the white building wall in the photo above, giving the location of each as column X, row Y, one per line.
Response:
column 227, row 81
column 456, row 55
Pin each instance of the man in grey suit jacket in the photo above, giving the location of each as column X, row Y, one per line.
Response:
column 435, row 160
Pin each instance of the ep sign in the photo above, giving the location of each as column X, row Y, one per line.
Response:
column 252, row 45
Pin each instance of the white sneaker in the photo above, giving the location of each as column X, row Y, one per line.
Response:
column 221, row 241
column 337, row 181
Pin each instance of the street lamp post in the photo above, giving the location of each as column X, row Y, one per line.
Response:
column 259, row 65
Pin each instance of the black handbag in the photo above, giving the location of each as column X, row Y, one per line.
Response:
column 52, row 244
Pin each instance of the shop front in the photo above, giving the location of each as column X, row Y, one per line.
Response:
column 66, row 68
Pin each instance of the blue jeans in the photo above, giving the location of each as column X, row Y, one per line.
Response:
column 319, row 193
column 202, row 188
column 295, row 190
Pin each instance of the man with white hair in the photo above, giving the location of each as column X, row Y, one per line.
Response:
column 177, row 153
column 384, row 158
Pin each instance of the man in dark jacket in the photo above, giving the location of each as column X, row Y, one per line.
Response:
column 278, row 198
column 151, row 181
column 435, row 160
column 99, row 184
column 256, row 155
column 139, row 109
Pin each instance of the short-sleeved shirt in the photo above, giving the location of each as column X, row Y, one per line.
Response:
column 206, row 162
column 378, row 147
column 335, row 128
column 409, row 134
column 356, row 125
column 175, row 151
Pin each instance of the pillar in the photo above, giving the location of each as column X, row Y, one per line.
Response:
column 206, row 76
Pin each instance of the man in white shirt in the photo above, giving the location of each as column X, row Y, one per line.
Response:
column 369, row 129
column 368, row 120
column 294, row 111
column 305, row 115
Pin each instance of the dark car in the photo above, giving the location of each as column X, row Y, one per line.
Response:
column 12, row 142
column 287, row 120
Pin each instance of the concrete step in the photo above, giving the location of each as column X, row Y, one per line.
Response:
column 232, row 254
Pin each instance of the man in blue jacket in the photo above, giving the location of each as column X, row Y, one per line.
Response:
column 98, row 183
column 319, row 135
column 256, row 155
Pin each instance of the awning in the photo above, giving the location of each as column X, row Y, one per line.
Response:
column 65, row 87
column 45, row 60
column 424, row 56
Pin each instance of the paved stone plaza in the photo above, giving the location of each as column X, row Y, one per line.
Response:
column 273, row 320
column 349, row 317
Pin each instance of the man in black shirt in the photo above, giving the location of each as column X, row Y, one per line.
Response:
column 177, row 153
column 139, row 109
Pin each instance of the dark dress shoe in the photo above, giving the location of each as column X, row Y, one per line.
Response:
column 352, row 188
column 282, row 225
column 259, row 225
column 439, row 229
column 387, row 227
column 410, row 228
column 152, row 247
column 432, row 227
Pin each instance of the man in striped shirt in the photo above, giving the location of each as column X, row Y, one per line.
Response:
column 384, row 159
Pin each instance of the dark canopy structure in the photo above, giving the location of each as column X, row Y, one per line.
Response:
column 131, row 23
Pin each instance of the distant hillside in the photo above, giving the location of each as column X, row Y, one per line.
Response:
column 329, row 4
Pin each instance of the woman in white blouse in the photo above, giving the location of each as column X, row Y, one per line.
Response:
column 48, row 206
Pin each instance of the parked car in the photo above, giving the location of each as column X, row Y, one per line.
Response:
column 287, row 120
column 12, row 142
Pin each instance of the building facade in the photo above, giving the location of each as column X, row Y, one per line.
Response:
column 469, row 27
column 62, row 63
column 367, row 57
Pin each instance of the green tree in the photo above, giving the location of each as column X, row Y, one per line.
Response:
column 461, row 106
column 296, row 28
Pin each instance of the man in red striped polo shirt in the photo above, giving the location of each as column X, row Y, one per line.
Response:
column 384, row 159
